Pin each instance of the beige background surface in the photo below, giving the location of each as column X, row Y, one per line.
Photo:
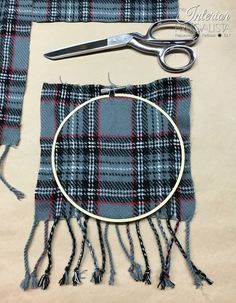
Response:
column 213, row 117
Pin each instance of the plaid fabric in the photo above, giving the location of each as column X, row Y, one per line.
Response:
column 16, row 17
column 105, row 10
column 118, row 157
column 14, row 51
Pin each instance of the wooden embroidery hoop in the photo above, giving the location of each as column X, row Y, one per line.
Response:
column 112, row 220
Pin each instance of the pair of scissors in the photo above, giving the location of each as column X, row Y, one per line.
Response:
column 144, row 43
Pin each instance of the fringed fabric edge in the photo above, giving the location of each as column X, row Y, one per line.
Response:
column 162, row 235
column 19, row 195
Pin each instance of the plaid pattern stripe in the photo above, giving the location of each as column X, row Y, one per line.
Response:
column 16, row 17
column 115, row 168
column 105, row 10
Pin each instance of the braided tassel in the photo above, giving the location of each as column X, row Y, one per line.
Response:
column 147, row 273
column 19, row 195
column 64, row 280
column 99, row 272
column 103, row 251
column 135, row 268
column 96, row 275
column 164, row 279
column 163, row 232
column 77, row 277
column 45, row 280
column 112, row 270
column 34, row 282
column 198, row 275
column 164, row 276
column 25, row 282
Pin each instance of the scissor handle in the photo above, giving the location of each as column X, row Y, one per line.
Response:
column 173, row 23
column 177, row 49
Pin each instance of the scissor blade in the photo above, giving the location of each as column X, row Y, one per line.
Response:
column 89, row 47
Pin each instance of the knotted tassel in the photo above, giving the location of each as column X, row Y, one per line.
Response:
column 96, row 274
column 198, row 275
column 25, row 282
column 65, row 278
column 99, row 272
column 112, row 277
column 112, row 271
column 77, row 277
column 164, row 280
column 136, row 273
column 164, row 276
column 147, row 273
column 45, row 280
column 147, row 276
column 135, row 268
column 34, row 281
column 19, row 195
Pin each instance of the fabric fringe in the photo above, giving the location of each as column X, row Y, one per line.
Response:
column 19, row 195
column 164, row 280
column 147, row 273
column 34, row 281
column 108, row 247
column 164, row 276
column 26, row 281
column 200, row 276
column 45, row 278
column 102, row 246
column 135, row 268
column 96, row 276
column 65, row 278
column 77, row 277
column 197, row 274
column 99, row 272
column 163, row 233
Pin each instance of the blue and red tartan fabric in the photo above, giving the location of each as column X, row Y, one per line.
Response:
column 147, row 184
column 15, row 27
column 117, row 158
column 105, row 10
column 173, row 95
column 16, row 17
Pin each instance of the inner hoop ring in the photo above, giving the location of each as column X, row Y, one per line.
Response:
column 126, row 220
